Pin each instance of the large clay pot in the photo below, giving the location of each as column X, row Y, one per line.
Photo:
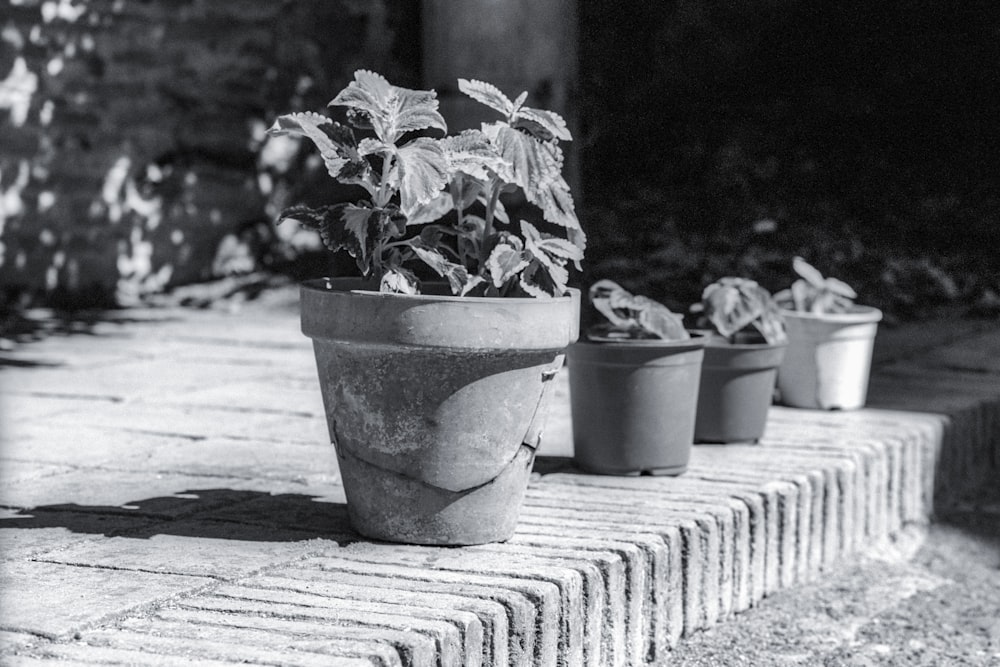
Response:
column 633, row 404
column 737, row 386
column 435, row 404
column 828, row 360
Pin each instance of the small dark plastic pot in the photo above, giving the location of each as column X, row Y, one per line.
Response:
column 633, row 404
column 737, row 385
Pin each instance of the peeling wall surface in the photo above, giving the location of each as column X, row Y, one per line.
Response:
column 133, row 152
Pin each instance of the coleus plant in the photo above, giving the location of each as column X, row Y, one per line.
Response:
column 436, row 200
column 732, row 305
column 813, row 293
column 632, row 317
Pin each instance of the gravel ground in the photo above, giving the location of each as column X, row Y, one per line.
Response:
column 930, row 599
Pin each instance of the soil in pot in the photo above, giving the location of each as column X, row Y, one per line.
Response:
column 737, row 388
column 828, row 361
column 633, row 405
column 435, row 405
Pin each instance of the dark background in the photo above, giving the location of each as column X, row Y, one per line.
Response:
column 865, row 133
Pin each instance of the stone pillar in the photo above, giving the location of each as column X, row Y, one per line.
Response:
column 516, row 45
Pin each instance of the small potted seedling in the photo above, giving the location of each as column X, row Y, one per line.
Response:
column 435, row 392
column 634, row 387
column 830, row 342
column 742, row 355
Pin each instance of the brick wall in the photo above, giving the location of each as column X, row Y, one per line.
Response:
column 132, row 147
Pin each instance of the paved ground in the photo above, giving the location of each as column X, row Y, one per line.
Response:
column 167, row 494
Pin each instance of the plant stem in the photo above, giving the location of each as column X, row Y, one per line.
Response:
column 383, row 196
column 484, row 247
column 494, row 196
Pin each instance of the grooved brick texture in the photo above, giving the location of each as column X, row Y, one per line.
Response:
column 168, row 516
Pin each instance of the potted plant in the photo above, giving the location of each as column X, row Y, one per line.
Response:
column 830, row 342
column 742, row 354
column 435, row 393
column 633, row 387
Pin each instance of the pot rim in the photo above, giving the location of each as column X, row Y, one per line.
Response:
column 321, row 286
column 747, row 347
column 858, row 314
column 712, row 339
column 696, row 341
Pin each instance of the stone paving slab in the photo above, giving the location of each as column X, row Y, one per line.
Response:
column 167, row 494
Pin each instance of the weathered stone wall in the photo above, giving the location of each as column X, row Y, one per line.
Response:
column 132, row 145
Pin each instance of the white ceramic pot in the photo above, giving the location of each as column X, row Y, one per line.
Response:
column 828, row 359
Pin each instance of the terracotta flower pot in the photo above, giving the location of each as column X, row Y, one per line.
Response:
column 435, row 404
column 737, row 385
column 828, row 360
column 633, row 404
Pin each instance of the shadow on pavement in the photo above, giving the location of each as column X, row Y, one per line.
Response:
column 205, row 513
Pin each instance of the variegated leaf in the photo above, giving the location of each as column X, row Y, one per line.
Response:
column 399, row 281
column 423, row 172
column 331, row 223
column 391, row 109
column 471, row 153
column 430, row 211
column 456, row 274
column 363, row 224
column 488, row 94
column 370, row 146
column 553, row 267
column 552, row 245
column 538, row 283
column 506, row 259
column 312, row 126
column 537, row 168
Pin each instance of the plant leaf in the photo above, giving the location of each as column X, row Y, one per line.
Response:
column 430, row 211
column 371, row 146
column 363, row 224
column 800, row 295
column 732, row 304
column 423, row 172
column 629, row 313
column 335, row 142
column 537, row 281
column 553, row 267
column 487, row 94
column 551, row 251
column 472, row 153
column 840, row 288
column 506, row 260
column 557, row 247
column 808, row 272
column 332, row 224
column 658, row 319
column 399, row 281
column 457, row 275
column 541, row 123
column 537, row 170
column 391, row 109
